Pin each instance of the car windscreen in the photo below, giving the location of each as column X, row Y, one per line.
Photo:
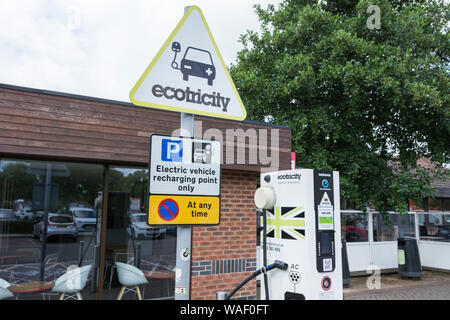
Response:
column 60, row 219
column 197, row 55
column 141, row 218
column 84, row 214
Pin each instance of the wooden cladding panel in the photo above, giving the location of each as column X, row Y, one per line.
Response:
column 61, row 127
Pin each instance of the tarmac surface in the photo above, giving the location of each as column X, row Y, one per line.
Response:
column 434, row 285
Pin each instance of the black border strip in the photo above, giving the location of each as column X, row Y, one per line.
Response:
column 188, row 195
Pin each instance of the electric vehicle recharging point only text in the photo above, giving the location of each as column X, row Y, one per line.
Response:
column 302, row 212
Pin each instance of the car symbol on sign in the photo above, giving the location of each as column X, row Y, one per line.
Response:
column 196, row 62
column 199, row 154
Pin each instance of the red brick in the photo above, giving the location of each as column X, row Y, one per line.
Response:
column 233, row 238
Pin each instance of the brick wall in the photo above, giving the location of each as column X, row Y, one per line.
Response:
column 224, row 255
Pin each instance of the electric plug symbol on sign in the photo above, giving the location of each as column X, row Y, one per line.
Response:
column 201, row 153
column 196, row 62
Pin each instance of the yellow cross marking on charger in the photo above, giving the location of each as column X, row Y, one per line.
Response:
column 278, row 221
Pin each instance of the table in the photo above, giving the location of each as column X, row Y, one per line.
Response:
column 31, row 287
column 12, row 256
column 161, row 275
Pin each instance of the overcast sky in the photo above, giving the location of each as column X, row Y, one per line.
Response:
column 100, row 48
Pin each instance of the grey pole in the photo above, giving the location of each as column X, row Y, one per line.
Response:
column 183, row 265
column 80, row 252
column 48, row 186
column 183, row 252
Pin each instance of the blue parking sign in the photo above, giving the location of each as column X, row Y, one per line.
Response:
column 172, row 150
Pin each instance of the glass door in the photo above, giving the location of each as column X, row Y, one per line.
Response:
column 131, row 245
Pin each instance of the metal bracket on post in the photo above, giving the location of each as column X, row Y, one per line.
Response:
column 221, row 295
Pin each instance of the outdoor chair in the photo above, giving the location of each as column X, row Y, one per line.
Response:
column 72, row 283
column 4, row 292
column 130, row 276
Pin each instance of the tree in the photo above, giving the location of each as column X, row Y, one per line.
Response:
column 366, row 102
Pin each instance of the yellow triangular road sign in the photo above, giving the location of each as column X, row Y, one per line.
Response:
column 189, row 75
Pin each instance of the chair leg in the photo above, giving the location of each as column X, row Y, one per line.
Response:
column 61, row 297
column 79, row 296
column 111, row 276
column 119, row 297
column 138, row 293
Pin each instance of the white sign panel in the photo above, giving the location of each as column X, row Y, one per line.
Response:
column 189, row 75
column 184, row 166
column 325, row 214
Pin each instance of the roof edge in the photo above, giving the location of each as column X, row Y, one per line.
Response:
column 117, row 102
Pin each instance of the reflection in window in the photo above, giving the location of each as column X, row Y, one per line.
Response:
column 38, row 198
column 434, row 227
column 392, row 226
column 129, row 239
column 354, row 226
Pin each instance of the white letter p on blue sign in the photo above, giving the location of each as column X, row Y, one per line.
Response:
column 172, row 150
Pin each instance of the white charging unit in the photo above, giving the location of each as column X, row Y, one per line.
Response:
column 302, row 208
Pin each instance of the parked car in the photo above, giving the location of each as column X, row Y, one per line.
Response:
column 139, row 227
column 7, row 215
column 58, row 225
column 24, row 214
column 86, row 218
column 356, row 232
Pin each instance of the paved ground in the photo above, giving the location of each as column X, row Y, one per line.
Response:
column 434, row 285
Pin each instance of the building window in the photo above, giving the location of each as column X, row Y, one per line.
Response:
column 435, row 204
column 446, row 204
column 48, row 218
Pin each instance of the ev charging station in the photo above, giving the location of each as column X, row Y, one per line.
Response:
column 302, row 209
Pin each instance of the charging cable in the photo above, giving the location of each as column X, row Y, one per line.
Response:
column 276, row 265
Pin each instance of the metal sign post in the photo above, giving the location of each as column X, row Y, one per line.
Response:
column 188, row 75
column 184, row 234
